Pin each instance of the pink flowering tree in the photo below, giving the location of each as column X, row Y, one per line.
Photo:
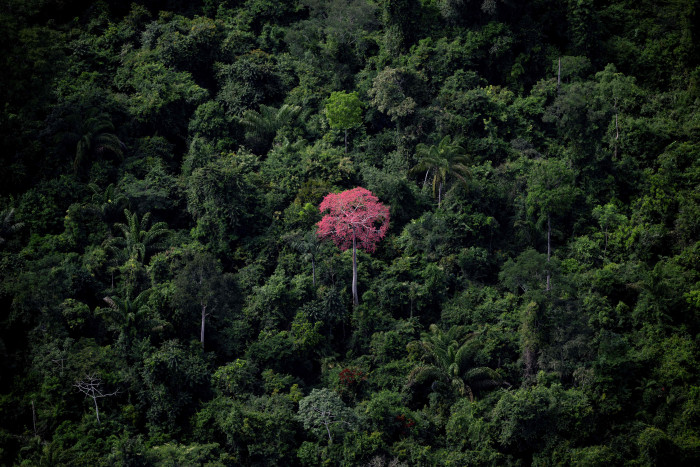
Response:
column 353, row 218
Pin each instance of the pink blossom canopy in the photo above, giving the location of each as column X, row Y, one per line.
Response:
column 353, row 213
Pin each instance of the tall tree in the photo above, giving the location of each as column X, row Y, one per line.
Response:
column 309, row 246
column 608, row 218
column 344, row 111
column 91, row 386
column 137, row 237
column 323, row 409
column 131, row 248
column 388, row 94
column 200, row 286
column 551, row 192
column 445, row 160
column 131, row 317
column 355, row 218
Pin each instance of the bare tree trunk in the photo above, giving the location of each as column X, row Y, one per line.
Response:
column 34, row 417
column 617, row 130
column 97, row 411
column 355, row 299
column 204, row 315
column 549, row 247
column 559, row 76
column 330, row 438
column 346, row 141
column 90, row 386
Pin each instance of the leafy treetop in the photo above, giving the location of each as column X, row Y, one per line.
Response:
column 344, row 110
column 353, row 214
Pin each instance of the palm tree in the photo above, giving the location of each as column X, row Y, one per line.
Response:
column 129, row 317
column 309, row 246
column 107, row 200
column 8, row 226
column 93, row 135
column 447, row 159
column 261, row 126
column 448, row 362
column 136, row 237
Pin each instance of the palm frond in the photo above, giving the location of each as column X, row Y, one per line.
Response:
column 483, row 378
column 424, row 373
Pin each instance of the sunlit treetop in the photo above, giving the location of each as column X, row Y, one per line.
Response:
column 357, row 214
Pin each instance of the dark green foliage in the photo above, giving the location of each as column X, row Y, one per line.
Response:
column 262, row 126
column 174, row 378
column 536, row 300
column 252, row 79
column 219, row 196
column 448, row 364
column 324, row 413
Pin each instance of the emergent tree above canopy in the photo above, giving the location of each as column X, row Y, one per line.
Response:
column 355, row 218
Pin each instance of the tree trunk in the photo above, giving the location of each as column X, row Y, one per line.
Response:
column 34, row 418
column 617, row 131
column 355, row 299
column 204, row 315
column 313, row 272
column 549, row 247
column 330, row 438
column 346, row 141
column 97, row 411
column 528, row 341
column 559, row 76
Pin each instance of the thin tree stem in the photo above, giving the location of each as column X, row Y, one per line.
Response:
column 549, row 248
column 559, row 76
column 34, row 417
column 355, row 299
column 97, row 411
column 204, row 315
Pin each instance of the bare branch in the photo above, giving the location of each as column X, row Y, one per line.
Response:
column 91, row 386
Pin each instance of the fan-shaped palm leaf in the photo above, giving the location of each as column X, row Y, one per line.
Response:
column 452, row 363
column 94, row 135
column 7, row 225
column 261, row 126
column 128, row 317
column 107, row 199
column 445, row 160
column 136, row 237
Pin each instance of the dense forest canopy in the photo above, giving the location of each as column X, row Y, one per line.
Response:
column 166, row 294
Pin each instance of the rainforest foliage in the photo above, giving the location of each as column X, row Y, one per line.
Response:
column 165, row 297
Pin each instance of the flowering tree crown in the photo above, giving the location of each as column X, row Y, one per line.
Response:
column 357, row 214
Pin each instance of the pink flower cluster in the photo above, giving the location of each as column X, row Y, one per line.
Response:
column 357, row 214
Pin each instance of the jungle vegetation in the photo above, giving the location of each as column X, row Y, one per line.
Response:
column 534, row 295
